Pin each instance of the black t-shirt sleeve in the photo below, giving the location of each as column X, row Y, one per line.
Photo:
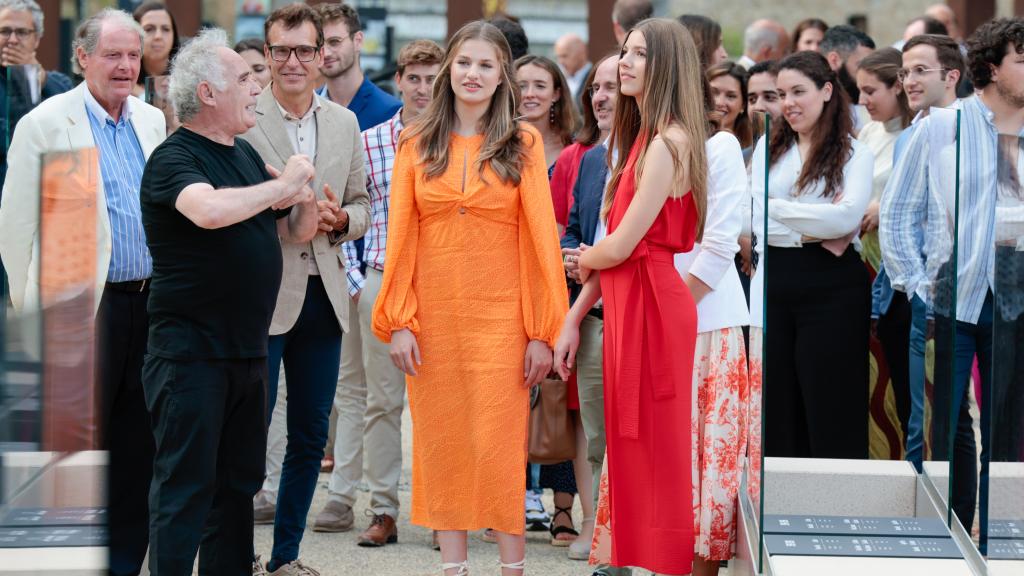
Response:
column 255, row 158
column 171, row 169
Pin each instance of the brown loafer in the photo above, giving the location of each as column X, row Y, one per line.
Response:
column 382, row 531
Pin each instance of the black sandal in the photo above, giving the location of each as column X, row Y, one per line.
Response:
column 557, row 530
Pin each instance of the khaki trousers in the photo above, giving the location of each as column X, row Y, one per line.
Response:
column 589, row 380
column 369, row 402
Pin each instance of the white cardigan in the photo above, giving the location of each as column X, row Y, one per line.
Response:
column 713, row 260
column 790, row 217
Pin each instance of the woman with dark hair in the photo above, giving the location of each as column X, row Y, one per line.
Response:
column 707, row 35
column 654, row 208
column 160, row 43
column 882, row 95
column 546, row 103
column 728, row 82
column 473, row 296
column 251, row 50
column 818, row 294
column 808, row 34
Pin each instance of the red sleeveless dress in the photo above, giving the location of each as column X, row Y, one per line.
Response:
column 650, row 329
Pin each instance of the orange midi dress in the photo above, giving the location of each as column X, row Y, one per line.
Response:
column 473, row 269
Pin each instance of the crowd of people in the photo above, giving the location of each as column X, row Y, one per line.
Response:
column 290, row 253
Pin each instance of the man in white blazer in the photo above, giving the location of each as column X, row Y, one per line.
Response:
column 100, row 113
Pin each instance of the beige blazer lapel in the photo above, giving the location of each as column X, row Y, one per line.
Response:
column 327, row 153
column 271, row 123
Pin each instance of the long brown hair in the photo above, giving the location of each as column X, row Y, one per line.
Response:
column 885, row 64
column 672, row 97
column 742, row 128
column 564, row 122
column 831, row 144
column 706, row 33
column 503, row 146
column 805, row 25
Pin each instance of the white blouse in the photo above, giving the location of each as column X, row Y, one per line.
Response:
column 880, row 138
column 713, row 259
column 792, row 217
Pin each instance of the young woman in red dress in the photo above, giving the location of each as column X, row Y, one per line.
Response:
column 650, row 316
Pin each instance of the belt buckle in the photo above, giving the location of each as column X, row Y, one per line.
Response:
column 142, row 284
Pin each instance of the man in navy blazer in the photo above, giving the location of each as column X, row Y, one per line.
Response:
column 585, row 229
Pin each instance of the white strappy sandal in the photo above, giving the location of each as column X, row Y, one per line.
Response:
column 463, row 567
column 521, row 565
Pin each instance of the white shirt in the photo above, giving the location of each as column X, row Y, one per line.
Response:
column 746, row 62
column 302, row 134
column 713, row 259
column 601, row 230
column 880, row 138
column 791, row 217
column 302, row 131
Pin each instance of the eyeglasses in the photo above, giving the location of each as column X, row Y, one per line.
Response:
column 302, row 53
column 335, row 42
column 21, row 33
column 919, row 71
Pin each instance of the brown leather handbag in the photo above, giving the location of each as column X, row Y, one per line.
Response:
column 552, row 432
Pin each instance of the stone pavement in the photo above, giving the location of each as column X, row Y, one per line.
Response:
column 338, row 554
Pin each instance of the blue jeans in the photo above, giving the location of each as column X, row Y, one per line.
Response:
column 952, row 425
column 311, row 351
column 915, row 426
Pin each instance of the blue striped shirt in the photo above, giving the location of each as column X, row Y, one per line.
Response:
column 121, row 166
column 915, row 200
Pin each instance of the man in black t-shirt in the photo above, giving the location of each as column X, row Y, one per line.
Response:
column 213, row 214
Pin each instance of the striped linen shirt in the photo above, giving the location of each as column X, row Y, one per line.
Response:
column 915, row 201
column 121, row 166
column 380, row 144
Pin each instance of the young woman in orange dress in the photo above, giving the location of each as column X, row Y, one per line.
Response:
column 473, row 296
column 654, row 209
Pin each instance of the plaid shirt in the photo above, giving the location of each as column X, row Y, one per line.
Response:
column 380, row 144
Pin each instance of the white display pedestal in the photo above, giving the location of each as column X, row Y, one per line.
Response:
column 864, row 488
column 75, row 481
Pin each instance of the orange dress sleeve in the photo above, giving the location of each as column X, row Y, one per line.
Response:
column 541, row 277
column 395, row 307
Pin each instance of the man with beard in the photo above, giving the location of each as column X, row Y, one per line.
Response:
column 844, row 47
column 913, row 210
column 346, row 84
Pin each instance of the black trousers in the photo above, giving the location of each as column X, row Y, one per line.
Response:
column 893, row 329
column 816, row 366
column 209, row 420
column 122, row 326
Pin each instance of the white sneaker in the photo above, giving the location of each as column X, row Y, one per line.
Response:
column 537, row 519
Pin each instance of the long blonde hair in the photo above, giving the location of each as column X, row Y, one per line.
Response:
column 503, row 147
column 673, row 95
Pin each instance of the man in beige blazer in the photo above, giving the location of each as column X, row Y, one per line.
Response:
column 312, row 305
column 99, row 113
